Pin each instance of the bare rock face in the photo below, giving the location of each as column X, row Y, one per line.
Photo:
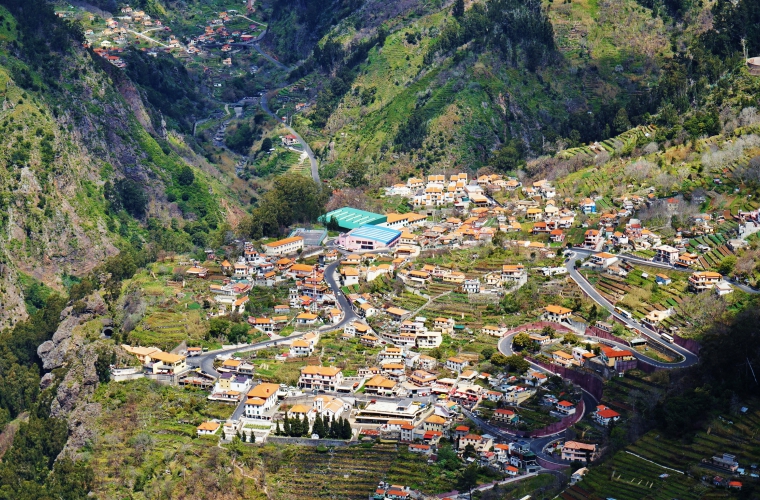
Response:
column 53, row 352
column 70, row 348
column 78, row 384
column 46, row 380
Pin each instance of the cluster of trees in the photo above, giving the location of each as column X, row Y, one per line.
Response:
column 44, row 38
column 509, row 26
column 696, row 69
column 293, row 199
column 168, row 86
column 515, row 362
column 243, row 136
column 325, row 428
column 28, row 469
column 222, row 328
column 331, row 56
column 297, row 26
column 126, row 194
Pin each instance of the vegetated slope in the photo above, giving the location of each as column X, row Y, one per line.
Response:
column 513, row 77
column 79, row 167
column 295, row 27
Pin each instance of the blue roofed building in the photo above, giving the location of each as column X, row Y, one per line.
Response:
column 369, row 238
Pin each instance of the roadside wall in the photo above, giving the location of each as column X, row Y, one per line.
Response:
column 690, row 345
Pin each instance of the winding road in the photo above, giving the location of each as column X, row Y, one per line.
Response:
column 689, row 358
column 206, row 361
column 304, row 144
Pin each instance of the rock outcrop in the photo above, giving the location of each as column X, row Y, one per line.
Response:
column 53, row 352
column 70, row 348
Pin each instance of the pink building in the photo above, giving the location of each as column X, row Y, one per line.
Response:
column 369, row 238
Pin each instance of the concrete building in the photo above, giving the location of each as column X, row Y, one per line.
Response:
column 369, row 238
column 285, row 246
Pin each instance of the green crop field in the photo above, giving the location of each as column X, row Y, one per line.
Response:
column 636, row 472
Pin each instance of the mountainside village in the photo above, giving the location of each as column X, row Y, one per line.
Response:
column 379, row 322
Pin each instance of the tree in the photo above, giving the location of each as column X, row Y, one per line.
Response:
column 458, row 10
column 727, row 265
column 347, row 432
column 130, row 196
column 571, row 338
column 186, row 176
column 319, row 427
column 238, row 333
column 294, row 198
column 518, row 363
column 487, row 352
column 548, row 331
column 469, row 476
column 103, row 366
column 621, row 123
column 355, row 174
column 618, row 330
column 510, row 304
column 218, row 327
column 266, row 144
column 509, row 157
column 498, row 359
column 522, row 341
column 447, row 457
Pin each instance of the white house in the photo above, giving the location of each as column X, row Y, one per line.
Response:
column 456, row 364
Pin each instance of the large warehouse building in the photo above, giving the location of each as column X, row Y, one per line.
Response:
column 352, row 218
column 369, row 238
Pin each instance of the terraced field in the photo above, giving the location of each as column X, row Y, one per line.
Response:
column 347, row 473
column 627, row 476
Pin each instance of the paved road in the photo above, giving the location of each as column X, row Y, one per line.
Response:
column 304, row 144
column 644, row 262
column 147, row 38
column 348, row 311
column 206, row 361
column 269, row 58
column 688, row 357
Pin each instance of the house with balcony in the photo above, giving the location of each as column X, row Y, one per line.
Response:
column 611, row 355
column 704, row 280
column 428, row 339
column 563, row 359
column 604, row 415
column 588, row 206
column 666, row 254
column 493, row 330
column 380, row 386
column 557, row 313
column 603, row 260
column 505, row 416
column 591, row 238
column 326, row 378
column 261, row 399
column 166, row 363
column 565, row 408
column 582, row 452
column 456, row 364
column 513, row 272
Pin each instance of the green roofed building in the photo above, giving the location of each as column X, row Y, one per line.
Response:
column 351, row 218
